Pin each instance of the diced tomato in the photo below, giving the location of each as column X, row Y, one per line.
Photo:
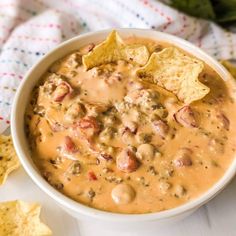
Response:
column 92, row 176
column 69, row 146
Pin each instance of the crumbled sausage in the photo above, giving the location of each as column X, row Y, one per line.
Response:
column 131, row 125
column 143, row 181
column 73, row 61
column 75, row 168
column 91, row 194
column 152, row 170
column 179, row 191
column 166, row 173
column 164, row 187
column 107, row 134
column 114, row 179
column 110, row 120
column 144, row 138
column 75, row 111
column 105, row 149
column 128, row 137
column 39, row 110
column 145, row 98
column 216, row 146
column 95, row 110
column 56, row 161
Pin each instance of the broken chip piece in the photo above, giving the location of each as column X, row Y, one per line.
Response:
column 114, row 49
column 176, row 72
column 8, row 158
column 19, row 218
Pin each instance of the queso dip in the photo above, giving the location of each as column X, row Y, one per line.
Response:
column 112, row 140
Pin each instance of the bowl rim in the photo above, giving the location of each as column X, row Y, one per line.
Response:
column 82, row 209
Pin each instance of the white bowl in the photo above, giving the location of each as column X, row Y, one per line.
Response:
column 79, row 210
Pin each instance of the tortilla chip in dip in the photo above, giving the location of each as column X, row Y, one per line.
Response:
column 8, row 158
column 19, row 218
column 114, row 49
column 176, row 72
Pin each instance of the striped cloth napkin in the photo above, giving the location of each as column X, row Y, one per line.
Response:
column 30, row 28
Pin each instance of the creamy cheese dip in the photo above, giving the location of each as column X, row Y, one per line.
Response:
column 110, row 141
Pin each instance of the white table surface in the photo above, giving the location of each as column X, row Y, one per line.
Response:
column 217, row 218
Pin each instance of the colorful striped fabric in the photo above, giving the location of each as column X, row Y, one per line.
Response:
column 30, row 28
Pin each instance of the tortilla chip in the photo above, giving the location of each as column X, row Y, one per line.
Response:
column 176, row 72
column 19, row 218
column 8, row 158
column 230, row 67
column 114, row 49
